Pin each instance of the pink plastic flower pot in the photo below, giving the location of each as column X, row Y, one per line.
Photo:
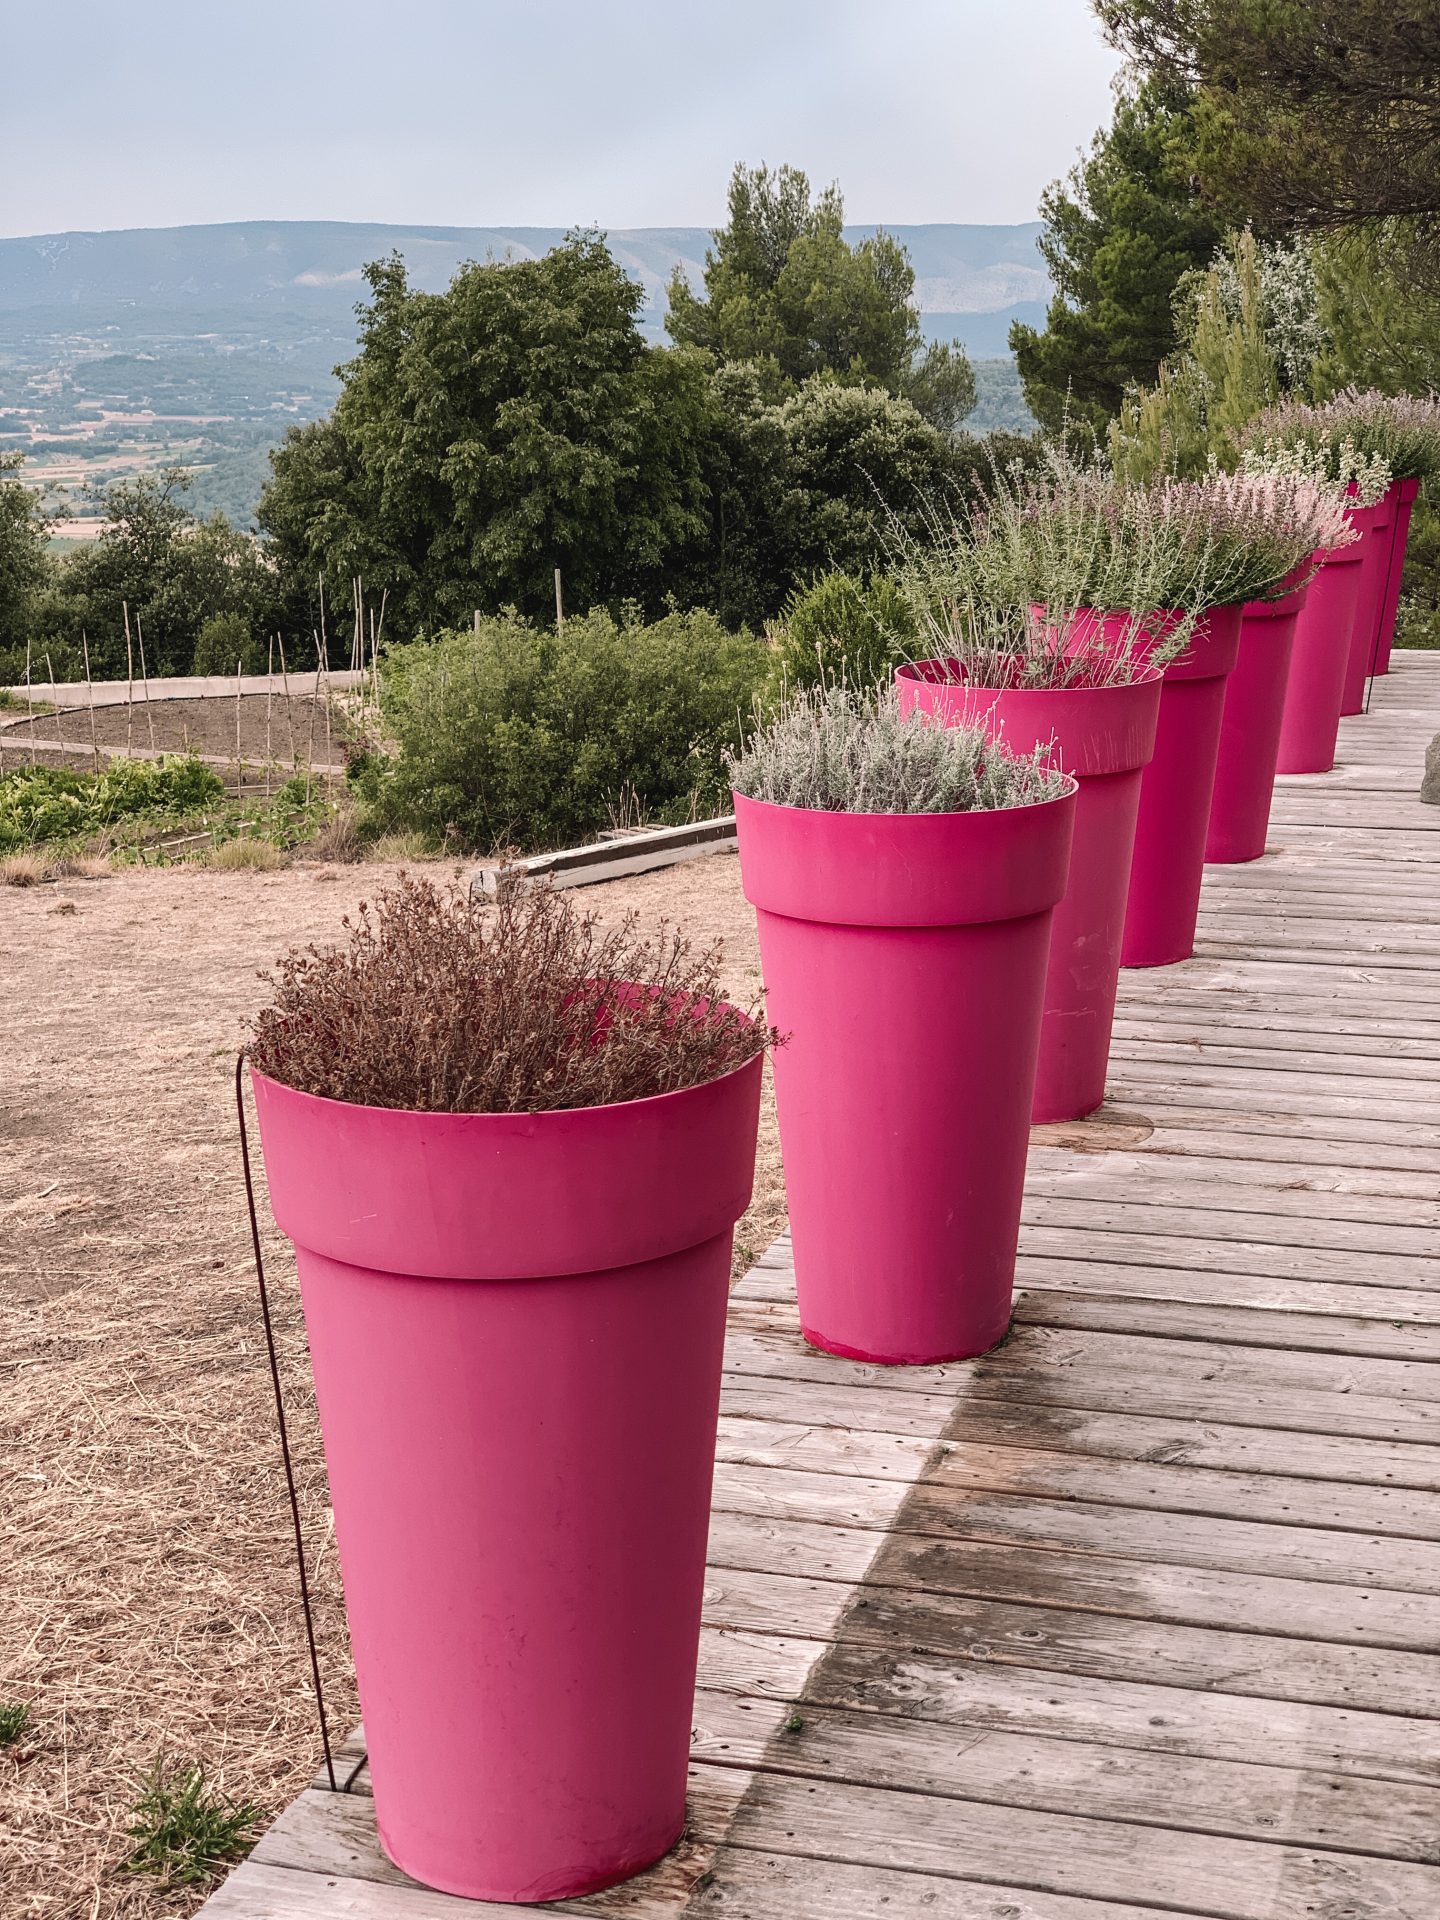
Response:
column 1103, row 736
column 1310, row 723
column 1250, row 730
column 516, row 1324
column 1377, row 526
column 1404, row 492
column 904, row 959
column 1169, row 859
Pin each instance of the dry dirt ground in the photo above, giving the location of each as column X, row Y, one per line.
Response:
column 147, row 1599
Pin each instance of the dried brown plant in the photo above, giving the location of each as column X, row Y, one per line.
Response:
column 441, row 1003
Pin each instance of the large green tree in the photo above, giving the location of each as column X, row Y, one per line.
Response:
column 807, row 482
column 25, row 565
column 170, row 569
column 486, row 435
column 785, row 289
column 1310, row 113
column 1121, row 230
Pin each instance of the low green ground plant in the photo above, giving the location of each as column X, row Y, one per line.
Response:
column 44, row 805
column 183, row 1831
column 14, row 1721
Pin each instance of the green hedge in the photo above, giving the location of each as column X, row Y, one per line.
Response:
column 516, row 736
column 843, row 630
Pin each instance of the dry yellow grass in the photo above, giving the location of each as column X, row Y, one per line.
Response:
column 25, row 869
column 262, row 856
column 34, row 869
column 149, row 1593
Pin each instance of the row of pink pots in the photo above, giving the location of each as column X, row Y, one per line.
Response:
column 1404, row 502
column 1304, row 660
column 516, row 1321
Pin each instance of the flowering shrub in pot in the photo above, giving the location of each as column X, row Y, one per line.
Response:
column 1403, row 432
column 904, row 874
column 1161, row 569
column 1096, row 708
column 510, row 1151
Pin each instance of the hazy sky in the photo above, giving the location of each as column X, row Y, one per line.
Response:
column 133, row 113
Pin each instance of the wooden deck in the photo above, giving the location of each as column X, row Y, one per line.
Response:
column 1137, row 1613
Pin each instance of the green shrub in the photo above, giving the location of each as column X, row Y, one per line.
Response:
column 516, row 735
column 39, row 804
column 224, row 643
column 843, row 630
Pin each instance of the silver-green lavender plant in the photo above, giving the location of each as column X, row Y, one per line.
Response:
column 831, row 750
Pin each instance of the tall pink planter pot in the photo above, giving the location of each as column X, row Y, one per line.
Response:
column 516, row 1325
column 1310, row 723
column 1250, row 730
column 1104, row 736
column 1175, row 790
column 1404, row 492
column 1376, row 540
column 904, row 958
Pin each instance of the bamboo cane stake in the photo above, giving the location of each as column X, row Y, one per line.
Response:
column 145, row 679
column 54, row 703
column 29, row 703
column 289, row 705
column 90, row 693
column 129, row 683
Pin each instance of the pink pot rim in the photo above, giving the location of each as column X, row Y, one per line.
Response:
column 912, row 670
column 969, row 813
column 1096, row 731
column 906, row 870
column 510, row 1196
column 540, row 1115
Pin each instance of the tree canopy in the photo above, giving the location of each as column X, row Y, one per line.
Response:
column 24, row 563
column 1121, row 230
column 784, row 288
column 1310, row 113
column 486, row 435
column 171, row 570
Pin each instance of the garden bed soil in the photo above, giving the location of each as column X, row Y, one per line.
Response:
column 279, row 732
column 150, row 1599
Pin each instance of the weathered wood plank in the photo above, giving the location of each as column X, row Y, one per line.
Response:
column 1079, row 1549
column 1072, row 1192
column 1378, row 1467
column 1162, row 1486
column 1264, row 1666
column 1090, row 1859
column 1371, row 1399
column 967, row 1697
column 1243, row 1313
column 1279, row 1804
column 1217, row 1160
column 1145, row 1233
column 745, row 1884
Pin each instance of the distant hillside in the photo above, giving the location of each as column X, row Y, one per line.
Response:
column 199, row 346
column 311, row 270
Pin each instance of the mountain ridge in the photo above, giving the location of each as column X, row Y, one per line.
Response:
column 316, row 266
